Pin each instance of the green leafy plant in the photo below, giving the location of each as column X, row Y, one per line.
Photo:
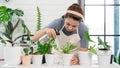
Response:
column 101, row 45
column 68, row 48
column 28, row 50
column 117, row 58
column 104, row 45
column 91, row 48
column 38, row 19
column 6, row 15
column 43, row 48
column 46, row 47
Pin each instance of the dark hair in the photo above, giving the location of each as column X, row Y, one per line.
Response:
column 69, row 15
column 74, row 7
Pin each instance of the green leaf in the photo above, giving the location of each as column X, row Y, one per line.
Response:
column 7, row 35
column 10, row 27
column 18, row 12
column 87, row 36
column 68, row 48
column 38, row 19
column 92, row 49
column 119, row 59
column 5, row 14
column 104, row 44
column 31, row 50
column 115, row 58
column 2, row 40
column 26, row 51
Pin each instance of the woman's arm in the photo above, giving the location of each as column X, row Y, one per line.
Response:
column 83, row 42
column 38, row 34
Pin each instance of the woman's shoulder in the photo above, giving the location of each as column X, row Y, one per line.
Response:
column 57, row 23
column 83, row 27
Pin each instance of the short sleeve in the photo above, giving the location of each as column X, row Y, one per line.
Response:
column 57, row 24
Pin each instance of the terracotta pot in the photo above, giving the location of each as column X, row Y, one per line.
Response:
column 26, row 60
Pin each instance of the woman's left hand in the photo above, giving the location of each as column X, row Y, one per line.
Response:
column 74, row 61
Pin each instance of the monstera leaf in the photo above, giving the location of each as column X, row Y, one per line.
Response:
column 6, row 15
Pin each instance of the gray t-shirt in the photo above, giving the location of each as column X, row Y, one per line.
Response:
column 58, row 24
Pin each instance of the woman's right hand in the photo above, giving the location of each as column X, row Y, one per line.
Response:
column 50, row 32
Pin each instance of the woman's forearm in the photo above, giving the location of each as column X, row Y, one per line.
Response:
column 38, row 34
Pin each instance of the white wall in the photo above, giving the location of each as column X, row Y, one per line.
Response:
column 50, row 10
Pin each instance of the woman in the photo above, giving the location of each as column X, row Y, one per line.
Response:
column 71, row 29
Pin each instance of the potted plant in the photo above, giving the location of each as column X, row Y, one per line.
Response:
column 26, row 58
column 104, row 53
column 50, row 56
column 85, row 57
column 6, row 16
column 67, row 53
column 12, row 54
column 41, row 50
column 116, row 59
column 103, row 50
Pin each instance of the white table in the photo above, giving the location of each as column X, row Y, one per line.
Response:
column 3, row 65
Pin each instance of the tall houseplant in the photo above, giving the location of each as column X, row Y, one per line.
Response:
column 11, row 54
column 6, row 15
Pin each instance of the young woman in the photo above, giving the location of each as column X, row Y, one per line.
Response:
column 71, row 29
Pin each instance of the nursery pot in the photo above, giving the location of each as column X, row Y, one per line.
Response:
column 66, row 59
column 104, row 57
column 12, row 55
column 85, row 58
column 37, row 60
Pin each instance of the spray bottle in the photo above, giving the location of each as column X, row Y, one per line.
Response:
column 45, row 37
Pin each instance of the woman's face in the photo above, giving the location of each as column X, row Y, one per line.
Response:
column 71, row 24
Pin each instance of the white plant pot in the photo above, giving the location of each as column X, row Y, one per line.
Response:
column 116, row 65
column 50, row 59
column 66, row 59
column 85, row 58
column 1, row 52
column 37, row 60
column 12, row 55
column 104, row 57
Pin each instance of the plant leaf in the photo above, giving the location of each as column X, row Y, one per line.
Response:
column 5, row 14
column 2, row 40
column 87, row 36
column 104, row 44
column 92, row 49
column 18, row 12
column 38, row 19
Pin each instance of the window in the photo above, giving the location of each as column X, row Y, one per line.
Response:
column 101, row 17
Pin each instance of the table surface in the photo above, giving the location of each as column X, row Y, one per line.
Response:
column 3, row 65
